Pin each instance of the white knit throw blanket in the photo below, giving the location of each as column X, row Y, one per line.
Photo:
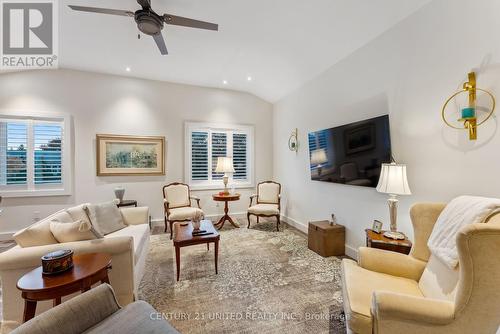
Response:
column 461, row 211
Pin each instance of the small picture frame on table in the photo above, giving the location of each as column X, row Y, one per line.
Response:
column 377, row 226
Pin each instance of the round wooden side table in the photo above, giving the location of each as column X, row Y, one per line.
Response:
column 87, row 270
column 226, row 198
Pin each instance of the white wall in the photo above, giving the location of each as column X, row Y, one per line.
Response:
column 120, row 105
column 407, row 72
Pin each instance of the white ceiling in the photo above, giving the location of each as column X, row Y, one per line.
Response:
column 281, row 44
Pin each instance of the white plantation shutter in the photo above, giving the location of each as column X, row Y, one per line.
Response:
column 240, row 156
column 219, row 149
column 206, row 142
column 34, row 157
column 13, row 152
column 48, row 152
column 199, row 154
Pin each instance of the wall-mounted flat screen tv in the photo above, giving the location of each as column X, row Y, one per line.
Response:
column 351, row 154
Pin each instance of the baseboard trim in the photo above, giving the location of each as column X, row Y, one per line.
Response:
column 351, row 252
column 7, row 236
column 295, row 223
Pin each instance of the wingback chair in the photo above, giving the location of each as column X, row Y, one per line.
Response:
column 387, row 292
column 177, row 204
column 268, row 202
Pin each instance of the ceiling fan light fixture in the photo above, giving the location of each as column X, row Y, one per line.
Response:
column 249, row 78
column 149, row 22
column 224, row 82
column 127, row 69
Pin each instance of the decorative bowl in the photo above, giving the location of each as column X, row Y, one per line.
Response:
column 57, row 262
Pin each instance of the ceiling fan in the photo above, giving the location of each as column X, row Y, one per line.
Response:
column 151, row 23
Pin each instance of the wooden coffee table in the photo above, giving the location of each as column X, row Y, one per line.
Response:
column 87, row 270
column 225, row 199
column 183, row 237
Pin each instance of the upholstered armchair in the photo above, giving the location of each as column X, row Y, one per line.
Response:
column 268, row 202
column 177, row 204
column 387, row 292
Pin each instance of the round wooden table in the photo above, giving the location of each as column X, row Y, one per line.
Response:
column 225, row 198
column 87, row 270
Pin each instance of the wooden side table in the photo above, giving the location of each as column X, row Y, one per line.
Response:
column 376, row 240
column 127, row 202
column 226, row 199
column 87, row 270
column 183, row 237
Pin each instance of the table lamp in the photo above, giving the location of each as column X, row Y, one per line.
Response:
column 393, row 181
column 225, row 165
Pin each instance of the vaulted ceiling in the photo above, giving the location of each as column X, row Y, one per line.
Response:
column 280, row 44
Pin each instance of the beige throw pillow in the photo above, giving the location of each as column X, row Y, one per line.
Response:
column 105, row 217
column 74, row 231
column 39, row 234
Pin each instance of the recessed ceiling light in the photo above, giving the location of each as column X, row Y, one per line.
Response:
column 224, row 82
column 127, row 69
column 249, row 78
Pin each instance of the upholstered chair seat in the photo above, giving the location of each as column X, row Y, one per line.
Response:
column 184, row 213
column 268, row 202
column 264, row 209
column 387, row 292
column 177, row 200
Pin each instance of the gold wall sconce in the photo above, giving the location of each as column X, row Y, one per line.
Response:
column 293, row 141
column 469, row 117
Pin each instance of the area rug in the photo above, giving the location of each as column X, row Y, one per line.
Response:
column 268, row 282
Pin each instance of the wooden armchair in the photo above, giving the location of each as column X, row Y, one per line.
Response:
column 177, row 204
column 268, row 202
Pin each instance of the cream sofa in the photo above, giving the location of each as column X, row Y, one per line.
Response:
column 387, row 292
column 128, row 248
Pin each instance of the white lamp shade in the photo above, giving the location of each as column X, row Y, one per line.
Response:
column 318, row 156
column 224, row 165
column 393, row 180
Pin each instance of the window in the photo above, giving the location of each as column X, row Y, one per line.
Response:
column 34, row 156
column 206, row 142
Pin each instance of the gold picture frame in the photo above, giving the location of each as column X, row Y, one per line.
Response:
column 122, row 155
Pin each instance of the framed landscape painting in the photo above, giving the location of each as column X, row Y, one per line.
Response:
column 130, row 155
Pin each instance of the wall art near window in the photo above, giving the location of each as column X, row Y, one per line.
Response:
column 130, row 155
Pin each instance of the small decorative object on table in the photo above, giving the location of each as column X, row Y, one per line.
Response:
column 119, row 192
column 377, row 226
column 393, row 181
column 57, row 262
column 197, row 221
column 334, row 220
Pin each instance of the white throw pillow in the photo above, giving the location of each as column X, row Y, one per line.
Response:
column 74, row 231
column 105, row 217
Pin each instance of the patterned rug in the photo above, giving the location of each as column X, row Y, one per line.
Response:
column 268, row 282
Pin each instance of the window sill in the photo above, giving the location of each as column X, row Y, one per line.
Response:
column 35, row 193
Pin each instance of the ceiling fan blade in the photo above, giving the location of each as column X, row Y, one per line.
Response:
column 160, row 42
column 187, row 22
column 102, row 10
column 145, row 4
